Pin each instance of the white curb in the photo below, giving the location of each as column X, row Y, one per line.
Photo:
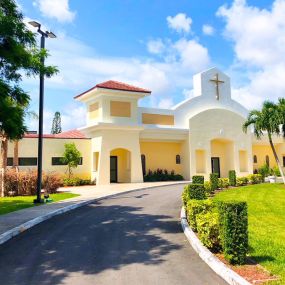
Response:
column 29, row 224
column 215, row 264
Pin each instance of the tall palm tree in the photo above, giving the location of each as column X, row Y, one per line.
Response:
column 267, row 120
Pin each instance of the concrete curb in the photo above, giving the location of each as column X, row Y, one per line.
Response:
column 214, row 263
column 4, row 237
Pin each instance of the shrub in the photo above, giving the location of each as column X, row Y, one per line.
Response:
column 208, row 188
column 242, row 181
column 27, row 182
column 264, row 171
column 11, row 187
column 198, row 179
column 276, row 171
column 195, row 207
column 233, row 226
column 254, row 178
column 51, row 182
column 214, row 181
column 185, row 196
column 76, row 181
column 208, row 230
column 162, row 175
column 196, row 191
column 223, row 183
column 232, row 177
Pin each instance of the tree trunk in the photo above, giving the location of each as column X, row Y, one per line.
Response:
column 3, row 162
column 16, row 154
column 276, row 157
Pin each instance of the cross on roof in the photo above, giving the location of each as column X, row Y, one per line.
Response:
column 217, row 82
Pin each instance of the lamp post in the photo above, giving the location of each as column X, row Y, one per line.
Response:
column 44, row 35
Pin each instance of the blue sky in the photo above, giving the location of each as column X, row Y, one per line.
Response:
column 158, row 45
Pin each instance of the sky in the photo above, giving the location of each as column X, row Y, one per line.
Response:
column 158, row 45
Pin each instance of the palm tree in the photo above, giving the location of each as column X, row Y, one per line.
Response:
column 267, row 120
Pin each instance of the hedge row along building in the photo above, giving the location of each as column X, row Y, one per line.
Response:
column 122, row 141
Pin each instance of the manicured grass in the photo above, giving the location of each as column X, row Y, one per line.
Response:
column 11, row 204
column 266, row 210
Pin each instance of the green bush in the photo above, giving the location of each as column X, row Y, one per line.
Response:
column 232, row 177
column 233, row 226
column 208, row 230
column 51, row 182
column 208, row 188
column 223, row 183
column 276, row 171
column 185, row 196
column 197, row 191
column 264, row 171
column 198, row 179
column 242, row 181
column 162, row 175
column 214, row 181
column 195, row 207
column 76, row 181
column 254, row 178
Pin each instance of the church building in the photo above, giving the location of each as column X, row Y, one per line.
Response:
column 122, row 141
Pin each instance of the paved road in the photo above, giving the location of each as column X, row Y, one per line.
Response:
column 131, row 239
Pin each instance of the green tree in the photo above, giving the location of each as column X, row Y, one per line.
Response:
column 18, row 56
column 71, row 157
column 267, row 121
column 56, row 124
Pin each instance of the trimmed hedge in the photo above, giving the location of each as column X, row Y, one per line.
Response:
column 208, row 230
column 208, row 188
column 76, row 181
column 232, row 177
column 198, row 179
column 185, row 196
column 233, row 224
column 162, row 175
column 197, row 191
column 195, row 207
column 223, row 183
column 242, row 181
column 255, row 178
column 214, row 179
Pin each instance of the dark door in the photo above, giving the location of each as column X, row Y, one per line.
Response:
column 216, row 165
column 113, row 169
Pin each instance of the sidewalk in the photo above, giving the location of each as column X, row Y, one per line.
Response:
column 16, row 222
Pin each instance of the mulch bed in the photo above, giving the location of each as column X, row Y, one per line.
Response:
column 251, row 271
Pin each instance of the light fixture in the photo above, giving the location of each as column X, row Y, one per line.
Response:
column 35, row 24
column 51, row 35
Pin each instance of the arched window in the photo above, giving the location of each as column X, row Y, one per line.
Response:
column 178, row 159
column 267, row 160
column 254, row 159
column 143, row 164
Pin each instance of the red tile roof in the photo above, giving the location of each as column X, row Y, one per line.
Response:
column 116, row 85
column 72, row 134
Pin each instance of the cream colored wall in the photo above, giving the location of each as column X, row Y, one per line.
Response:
column 162, row 155
column 261, row 151
column 157, row 119
column 28, row 147
column 223, row 125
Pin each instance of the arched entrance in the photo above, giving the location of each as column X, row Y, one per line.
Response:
column 222, row 156
column 120, row 165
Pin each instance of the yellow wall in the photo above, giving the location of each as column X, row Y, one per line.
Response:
column 124, row 167
column 223, row 150
column 157, row 119
column 200, row 161
column 120, row 109
column 161, row 155
column 243, row 163
column 28, row 147
column 93, row 111
column 261, row 151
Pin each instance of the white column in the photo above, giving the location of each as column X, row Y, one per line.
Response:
column 103, row 176
column 136, row 165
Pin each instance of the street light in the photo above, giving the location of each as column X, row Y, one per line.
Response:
column 44, row 35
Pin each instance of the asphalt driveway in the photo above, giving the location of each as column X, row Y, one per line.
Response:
column 135, row 238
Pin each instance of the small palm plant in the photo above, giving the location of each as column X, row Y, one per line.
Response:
column 268, row 120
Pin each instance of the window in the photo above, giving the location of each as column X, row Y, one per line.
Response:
column 267, row 160
column 254, row 159
column 28, row 161
column 178, row 159
column 283, row 161
column 9, row 161
column 143, row 164
column 58, row 161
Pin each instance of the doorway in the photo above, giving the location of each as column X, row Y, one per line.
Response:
column 113, row 169
column 215, row 162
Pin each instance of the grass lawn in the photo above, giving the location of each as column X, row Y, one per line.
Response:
column 266, row 210
column 11, row 204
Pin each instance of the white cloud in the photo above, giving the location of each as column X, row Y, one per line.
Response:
column 165, row 103
column 208, row 30
column 258, row 36
column 57, row 9
column 180, row 23
column 155, row 46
